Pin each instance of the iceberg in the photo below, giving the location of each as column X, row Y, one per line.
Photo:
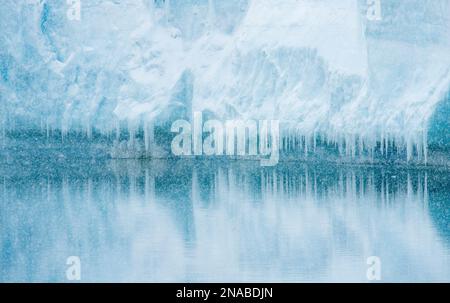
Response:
column 334, row 78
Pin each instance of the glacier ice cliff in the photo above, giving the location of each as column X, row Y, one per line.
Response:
column 331, row 76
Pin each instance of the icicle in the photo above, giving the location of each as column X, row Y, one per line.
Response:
column 306, row 147
column 64, row 129
column 148, row 135
column 131, row 136
column 288, row 147
column 361, row 146
column 425, row 146
column 409, row 149
column 292, row 141
column 394, row 146
column 117, row 130
column 353, row 146
column 315, row 142
column 42, row 126
column 386, row 145
column 419, row 146
column 88, row 130
column 47, row 129
column 342, row 146
column 263, row 137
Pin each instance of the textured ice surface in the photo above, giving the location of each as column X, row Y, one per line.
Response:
column 320, row 67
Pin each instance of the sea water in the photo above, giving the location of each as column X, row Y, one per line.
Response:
column 190, row 221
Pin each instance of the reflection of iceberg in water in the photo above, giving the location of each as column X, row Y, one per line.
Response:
column 157, row 221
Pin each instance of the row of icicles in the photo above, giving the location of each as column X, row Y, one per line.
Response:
column 292, row 141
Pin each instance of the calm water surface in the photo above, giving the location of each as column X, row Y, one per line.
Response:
column 207, row 221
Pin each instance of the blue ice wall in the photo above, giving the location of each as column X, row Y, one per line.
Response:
column 439, row 127
column 320, row 67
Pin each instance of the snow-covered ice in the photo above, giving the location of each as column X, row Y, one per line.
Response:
column 321, row 67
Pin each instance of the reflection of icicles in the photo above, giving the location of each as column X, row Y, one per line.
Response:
column 195, row 188
column 350, row 185
column 409, row 188
column 88, row 191
column 425, row 145
column 425, row 192
column 149, row 187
